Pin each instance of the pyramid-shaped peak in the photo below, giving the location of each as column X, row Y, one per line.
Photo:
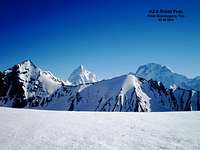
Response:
column 81, row 76
column 27, row 63
column 81, row 67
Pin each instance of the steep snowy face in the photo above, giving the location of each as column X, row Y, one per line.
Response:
column 26, row 81
column 81, row 76
column 194, row 83
column 167, row 77
column 35, row 80
column 124, row 93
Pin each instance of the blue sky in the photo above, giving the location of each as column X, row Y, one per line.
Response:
column 109, row 37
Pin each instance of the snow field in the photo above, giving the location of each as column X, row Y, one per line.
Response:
column 27, row 129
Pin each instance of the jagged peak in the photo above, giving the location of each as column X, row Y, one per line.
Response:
column 81, row 67
column 27, row 63
column 81, row 76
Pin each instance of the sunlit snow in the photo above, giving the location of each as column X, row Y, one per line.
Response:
column 27, row 129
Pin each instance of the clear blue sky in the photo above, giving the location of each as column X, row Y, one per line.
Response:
column 109, row 37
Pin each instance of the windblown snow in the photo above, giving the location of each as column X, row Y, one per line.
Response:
column 27, row 129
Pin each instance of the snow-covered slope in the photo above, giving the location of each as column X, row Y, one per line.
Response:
column 57, row 130
column 26, row 81
column 26, row 85
column 32, row 76
column 81, row 76
column 167, row 77
column 124, row 93
column 117, row 94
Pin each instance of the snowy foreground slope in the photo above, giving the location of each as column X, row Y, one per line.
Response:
column 27, row 129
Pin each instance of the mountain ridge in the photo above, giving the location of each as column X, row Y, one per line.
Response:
column 27, row 86
column 167, row 76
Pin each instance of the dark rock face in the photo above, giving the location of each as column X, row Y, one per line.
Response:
column 13, row 88
column 14, row 84
column 2, row 85
column 198, row 100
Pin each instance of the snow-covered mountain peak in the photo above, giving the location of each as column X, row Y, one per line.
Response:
column 81, row 76
column 26, row 62
column 167, row 76
column 81, row 67
column 153, row 69
column 26, row 85
column 33, row 80
column 23, row 66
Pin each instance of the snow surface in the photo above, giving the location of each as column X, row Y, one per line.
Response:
column 27, row 129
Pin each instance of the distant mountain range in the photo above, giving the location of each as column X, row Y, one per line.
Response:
column 152, row 88
column 167, row 77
